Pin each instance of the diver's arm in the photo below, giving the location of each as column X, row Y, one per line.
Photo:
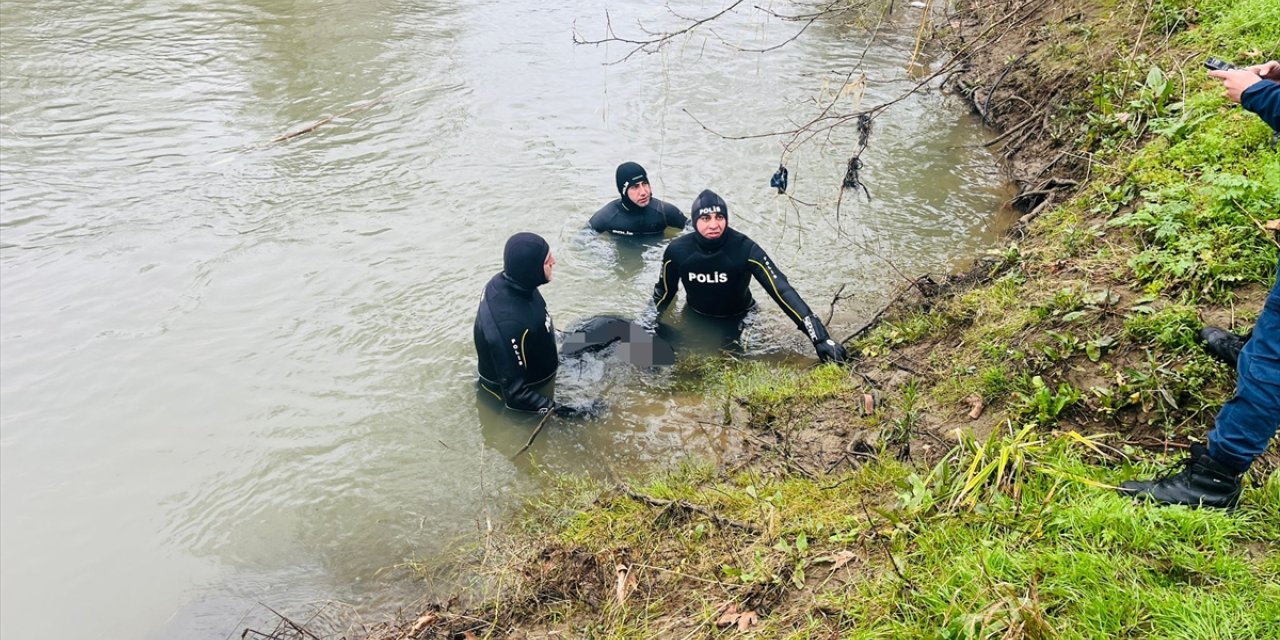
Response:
column 674, row 217
column 776, row 285
column 664, row 292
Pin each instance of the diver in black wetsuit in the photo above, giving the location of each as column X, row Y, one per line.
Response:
column 636, row 212
column 716, row 264
column 515, row 339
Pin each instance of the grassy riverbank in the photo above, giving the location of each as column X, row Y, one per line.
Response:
column 955, row 481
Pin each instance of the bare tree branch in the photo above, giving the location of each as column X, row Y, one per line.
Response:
column 653, row 44
column 826, row 121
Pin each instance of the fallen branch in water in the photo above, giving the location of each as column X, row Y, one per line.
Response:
column 302, row 631
column 356, row 109
column 866, row 326
column 319, row 123
column 536, row 431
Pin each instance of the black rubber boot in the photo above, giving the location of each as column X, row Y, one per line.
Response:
column 1202, row 482
column 1222, row 344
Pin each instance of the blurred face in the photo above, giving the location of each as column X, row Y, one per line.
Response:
column 711, row 226
column 640, row 193
column 547, row 265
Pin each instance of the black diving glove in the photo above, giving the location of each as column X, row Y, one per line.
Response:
column 828, row 350
column 581, row 410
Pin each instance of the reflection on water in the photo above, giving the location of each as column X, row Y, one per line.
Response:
column 238, row 371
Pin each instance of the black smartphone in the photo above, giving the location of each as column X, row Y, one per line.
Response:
column 1217, row 65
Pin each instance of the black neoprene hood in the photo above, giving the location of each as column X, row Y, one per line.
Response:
column 627, row 175
column 523, row 257
column 707, row 203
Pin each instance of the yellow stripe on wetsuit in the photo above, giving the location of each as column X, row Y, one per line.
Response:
column 777, row 294
column 524, row 359
column 665, row 288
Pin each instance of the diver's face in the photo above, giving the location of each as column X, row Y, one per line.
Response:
column 711, row 226
column 547, row 265
column 640, row 193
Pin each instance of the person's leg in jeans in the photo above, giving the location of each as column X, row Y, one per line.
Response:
column 1247, row 422
column 1242, row 430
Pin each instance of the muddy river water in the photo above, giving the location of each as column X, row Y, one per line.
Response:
column 236, row 371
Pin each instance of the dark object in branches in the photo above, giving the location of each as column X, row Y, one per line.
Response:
column 779, row 179
column 864, row 130
column 851, row 178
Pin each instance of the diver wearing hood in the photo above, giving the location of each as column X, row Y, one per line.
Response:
column 636, row 212
column 514, row 336
column 716, row 264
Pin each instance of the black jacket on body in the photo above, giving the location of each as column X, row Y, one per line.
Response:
column 629, row 220
column 515, row 344
column 716, row 277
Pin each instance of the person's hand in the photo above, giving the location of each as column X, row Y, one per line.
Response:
column 830, row 351
column 1236, row 81
column 1267, row 70
column 581, row 410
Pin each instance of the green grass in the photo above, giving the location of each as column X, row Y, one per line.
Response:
column 1017, row 532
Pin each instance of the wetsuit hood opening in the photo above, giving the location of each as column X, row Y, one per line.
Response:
column 627, row 175
column 707, row 203
column 523, row 257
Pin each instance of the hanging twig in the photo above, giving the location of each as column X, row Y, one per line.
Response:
column 650, row 45
column 826, row 122
column 834, row 299
column 808, row 19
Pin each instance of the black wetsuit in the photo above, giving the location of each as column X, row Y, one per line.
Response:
column 515, row 344
column 629, row 220
column 515, row 340
column 717, row 278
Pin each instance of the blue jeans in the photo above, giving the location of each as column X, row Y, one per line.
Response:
column 1247, row 422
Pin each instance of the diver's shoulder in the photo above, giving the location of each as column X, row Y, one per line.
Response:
column 663, row 205
column 684, row 242
column 735, row 237
column 605, row 215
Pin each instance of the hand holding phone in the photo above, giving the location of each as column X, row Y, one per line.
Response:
column 1214, row 64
